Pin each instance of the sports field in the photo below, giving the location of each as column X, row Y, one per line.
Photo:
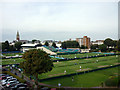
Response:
column 12, row 61
column 92, row 79
column 12, row 54
column 80, row 55
column 73, row 66
column 18, row 60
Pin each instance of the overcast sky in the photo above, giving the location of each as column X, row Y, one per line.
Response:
column 59, row 20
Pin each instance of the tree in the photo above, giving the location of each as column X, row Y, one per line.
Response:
column 103, row 47
column 63, row 45
column 46, row 43
column 118, row 45
column 113, row 43
column 36, row 62
column 34, row 40
column 54, row 45
column 95, row 46
column 11, row 48
column 39, row 45
column 109, row 42
column 18, row 45
column 83, row 47
column 5, row 46
column 70, row 44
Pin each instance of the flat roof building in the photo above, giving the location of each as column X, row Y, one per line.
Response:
column 84, row 41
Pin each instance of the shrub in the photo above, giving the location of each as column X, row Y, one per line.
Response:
column 112, row 81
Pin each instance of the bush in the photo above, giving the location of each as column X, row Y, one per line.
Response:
column 112, row 81
column 9, row 73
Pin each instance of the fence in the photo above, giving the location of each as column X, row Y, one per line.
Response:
column 12, row 52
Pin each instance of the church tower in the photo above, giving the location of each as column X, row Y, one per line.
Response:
column 17, row 36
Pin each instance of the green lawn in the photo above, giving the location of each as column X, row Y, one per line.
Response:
column 92, row 79
column 79, row 55
column 79, row 80
column 12, row 61
column 12, row 54
column 70, row 67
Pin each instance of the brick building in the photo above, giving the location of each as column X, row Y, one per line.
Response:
column 84, row 41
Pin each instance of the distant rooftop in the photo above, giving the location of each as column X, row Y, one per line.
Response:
column 29, row 44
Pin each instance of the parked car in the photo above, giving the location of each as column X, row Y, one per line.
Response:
column 44, row 88
column 20, row 85
column 9, row 77
column 3, row 77
column 4, row 82
column 4, row 69
column 13, row 79
column 23, row 88
column 11, row 83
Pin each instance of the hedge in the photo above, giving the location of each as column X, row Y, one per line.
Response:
column 112, row 81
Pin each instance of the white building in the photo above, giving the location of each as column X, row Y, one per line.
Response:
column 98, row 42
column 28, row 46
column 58, row 45
column 84, row 50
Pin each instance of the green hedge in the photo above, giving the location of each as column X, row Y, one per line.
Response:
column 18, row 78
column 112, row 81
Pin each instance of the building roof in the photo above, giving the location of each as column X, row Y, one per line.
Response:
column 29, row 45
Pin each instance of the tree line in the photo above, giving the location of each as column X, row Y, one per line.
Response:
column 7, row 47
column 107, row 46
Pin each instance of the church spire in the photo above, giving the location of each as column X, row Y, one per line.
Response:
column 17, row 36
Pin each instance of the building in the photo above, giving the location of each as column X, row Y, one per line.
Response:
column 98, row 42
column 17, row 36
column 58, row 45
column 84, row 50
column 26, row 47
column 84, row 41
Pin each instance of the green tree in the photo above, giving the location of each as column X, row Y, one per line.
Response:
column 103, row 47
column 18, row 45
column 0, row 47
column 54, row 45
column 118, row 45
column 34, row 40
column 95, row 46
column 5, row 46
column 39, row 45
column 63, row 45
column 70, row 44
column 109, row 42
column 46, row 43
column 36, row 62
column 11, row 48
column 83, row 47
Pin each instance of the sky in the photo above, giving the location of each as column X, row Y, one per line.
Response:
column 58, row 20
